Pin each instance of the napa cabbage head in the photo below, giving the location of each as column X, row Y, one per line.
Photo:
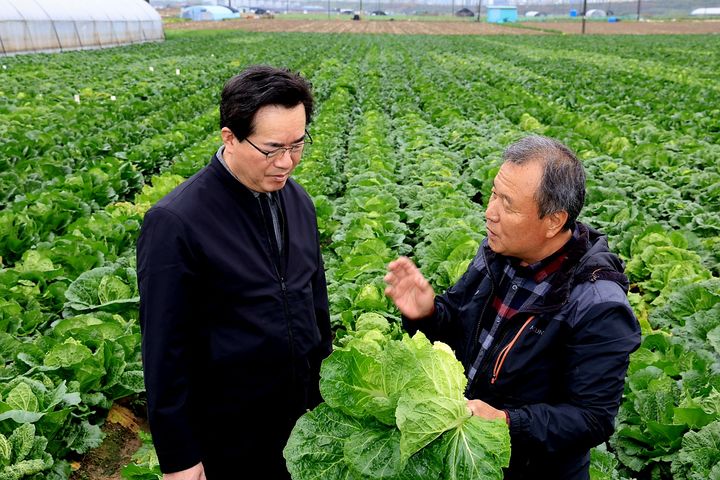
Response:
column 394, row 409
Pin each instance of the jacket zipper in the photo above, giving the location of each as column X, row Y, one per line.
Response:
column 505, row 328
column 500, row 360
column 283, row 287
column 490, row 297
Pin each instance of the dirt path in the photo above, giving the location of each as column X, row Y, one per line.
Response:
column 406, row 27
column 120, row 443
column 635, row 28
column 401, row 27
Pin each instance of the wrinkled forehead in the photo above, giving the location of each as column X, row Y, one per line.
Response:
column 520, row 180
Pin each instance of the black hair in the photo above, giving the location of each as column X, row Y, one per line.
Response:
column 258, row 86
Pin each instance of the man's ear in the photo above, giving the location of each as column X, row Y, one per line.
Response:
column 227, row 136
column 555, row 222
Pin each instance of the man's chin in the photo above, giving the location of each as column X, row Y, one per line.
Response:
column 494, row 245
column 275, row 185
column 491, row 240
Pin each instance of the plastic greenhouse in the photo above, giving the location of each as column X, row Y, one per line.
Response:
column 58, row 25
column 208, row 12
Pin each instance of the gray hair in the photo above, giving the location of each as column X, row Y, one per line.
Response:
column 562, row 187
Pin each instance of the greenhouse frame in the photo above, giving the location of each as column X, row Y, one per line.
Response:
column 28, row 26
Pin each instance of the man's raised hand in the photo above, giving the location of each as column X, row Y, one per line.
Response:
column 409, row 290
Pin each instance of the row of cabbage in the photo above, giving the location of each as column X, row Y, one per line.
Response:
column 70, row 339
column 121, row 121
column 668, row 422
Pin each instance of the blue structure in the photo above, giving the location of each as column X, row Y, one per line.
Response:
column 501, row 13
column 208, row 12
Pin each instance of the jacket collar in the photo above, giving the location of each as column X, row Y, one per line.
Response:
column 223, row 173
column 588, row 259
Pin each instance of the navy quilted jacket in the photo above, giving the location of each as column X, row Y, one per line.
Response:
column 562, row 380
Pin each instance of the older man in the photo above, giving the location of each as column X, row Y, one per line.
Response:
column 540, row 319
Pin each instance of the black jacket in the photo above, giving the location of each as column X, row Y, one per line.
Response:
column 233, row 332
column 562, row 381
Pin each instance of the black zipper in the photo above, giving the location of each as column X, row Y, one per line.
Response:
column 507, row 330
column 505, row 352
column 476, row 336
column 280, row 272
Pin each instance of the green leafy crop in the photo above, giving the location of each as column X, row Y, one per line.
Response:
column 22, row 454
column 394, row 409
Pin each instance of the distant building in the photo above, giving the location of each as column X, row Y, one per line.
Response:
column 208, row 12
column 501, row 13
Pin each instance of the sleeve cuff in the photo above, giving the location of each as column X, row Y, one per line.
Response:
column 175, row 462
column 176, row 450
column 518, row 421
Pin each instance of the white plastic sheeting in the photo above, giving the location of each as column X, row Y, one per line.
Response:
column 706, row 11
column 595, row 12
column 56, row 25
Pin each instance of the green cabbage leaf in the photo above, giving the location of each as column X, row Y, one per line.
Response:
column 394, row 410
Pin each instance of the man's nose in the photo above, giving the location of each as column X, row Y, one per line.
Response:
column 284, row 160
column 491, row 212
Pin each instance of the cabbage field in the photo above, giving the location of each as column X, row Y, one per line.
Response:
column 408, row 135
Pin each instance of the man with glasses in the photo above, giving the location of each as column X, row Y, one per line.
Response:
column 233, row 300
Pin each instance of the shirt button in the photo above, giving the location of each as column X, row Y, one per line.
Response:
column 514, row 287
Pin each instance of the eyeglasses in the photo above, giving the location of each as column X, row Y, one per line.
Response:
column 295, row 149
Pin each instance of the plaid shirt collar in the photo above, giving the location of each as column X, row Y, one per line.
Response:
column 519, row 288
column 540, row 271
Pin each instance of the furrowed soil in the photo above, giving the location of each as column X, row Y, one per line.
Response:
column 407, row 27
column 120, row 443
column 122, row 425
column 348, row 26
column 636, row 28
